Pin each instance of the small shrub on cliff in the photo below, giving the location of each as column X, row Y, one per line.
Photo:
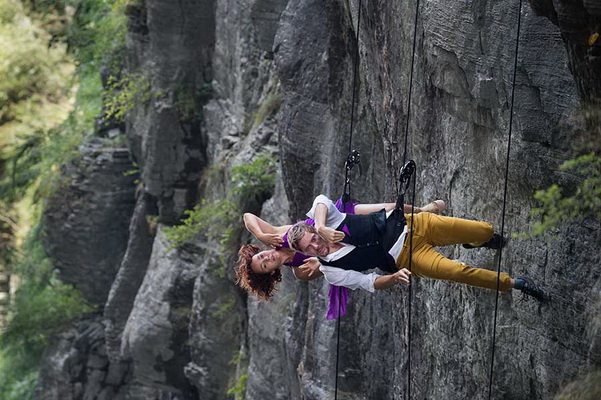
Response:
column 239, row 388
column 269, row 106
column 124, row 94
column 214, row 220
column 558, row 208
column 255, row 181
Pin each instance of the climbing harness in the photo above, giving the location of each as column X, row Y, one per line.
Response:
column 494, row 329
column 353, row 159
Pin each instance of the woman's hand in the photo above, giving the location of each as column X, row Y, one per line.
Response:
column 310, row 266
column 330, row 234
column 271, row 239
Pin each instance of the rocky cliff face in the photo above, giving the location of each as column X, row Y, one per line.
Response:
column 219, row 71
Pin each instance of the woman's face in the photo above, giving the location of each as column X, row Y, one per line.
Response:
column 266, row 261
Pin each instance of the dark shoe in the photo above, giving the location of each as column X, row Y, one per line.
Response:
column 532, row 289
column 495, row 242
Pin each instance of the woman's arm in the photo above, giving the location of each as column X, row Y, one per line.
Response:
column 263, row 231
column 369, row 208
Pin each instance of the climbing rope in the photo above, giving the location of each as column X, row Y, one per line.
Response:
column 494, row 329
column 410, row 293
column 352, row 159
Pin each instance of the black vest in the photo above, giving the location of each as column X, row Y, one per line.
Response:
column 372, row 235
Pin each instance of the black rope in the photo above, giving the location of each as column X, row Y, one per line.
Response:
column 347, row 187
column 350, row 138
column 494, row 330
column 411, row 78
column 410, row 293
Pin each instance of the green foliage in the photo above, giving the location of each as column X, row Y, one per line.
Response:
column 33, row 71
column 558, row 208
column 239, row 388
column 214, row 220
column 188, row 103
column 586, row 387
column 35, row 162
column 124, row 94
column 41, row 307
column 96, row 33
column 50, row 94
column 270, row 105
column 256, row 180
column 240, row 360
column 224, row 309
column 16, row 386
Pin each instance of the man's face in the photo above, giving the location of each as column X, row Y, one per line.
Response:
column 266, row 261
column 314, row 245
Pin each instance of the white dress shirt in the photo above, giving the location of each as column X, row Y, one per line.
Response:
column 342, row 277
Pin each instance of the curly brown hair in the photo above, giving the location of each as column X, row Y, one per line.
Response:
column 261, row 285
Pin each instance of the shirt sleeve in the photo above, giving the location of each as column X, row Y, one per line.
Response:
column 334, row 218
column 350, row 279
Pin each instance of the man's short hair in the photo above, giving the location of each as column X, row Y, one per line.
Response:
column 297, row 232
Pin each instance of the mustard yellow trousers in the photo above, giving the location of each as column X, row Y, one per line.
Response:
column 431, row 230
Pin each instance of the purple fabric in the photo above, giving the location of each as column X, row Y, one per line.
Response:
column 299, row 258
column 338, row 299
column 338, row 295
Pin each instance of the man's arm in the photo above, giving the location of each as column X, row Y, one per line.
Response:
column 388, row 281
column 348, row 278
column 357, row 280
column 362, row 209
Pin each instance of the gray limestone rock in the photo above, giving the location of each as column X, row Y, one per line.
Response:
column 131, row 272
column 173, row 52
column 155, row 336
column 85, row 222
column 75, row 366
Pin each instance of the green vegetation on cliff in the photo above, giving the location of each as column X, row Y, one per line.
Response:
column 51, row 54
column 252, row 183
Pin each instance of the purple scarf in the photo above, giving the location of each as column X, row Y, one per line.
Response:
column 338, row 299
column 338, row 295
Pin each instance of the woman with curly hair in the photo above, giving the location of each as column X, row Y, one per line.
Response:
column 258, row 271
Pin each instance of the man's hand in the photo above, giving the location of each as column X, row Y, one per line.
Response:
column 388, row 281
column 272, row 240
column 402, row 276
column 330, row 234
column 310, row 266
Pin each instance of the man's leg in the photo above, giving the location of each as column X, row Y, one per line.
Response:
column 439, row 230
column 429, row 263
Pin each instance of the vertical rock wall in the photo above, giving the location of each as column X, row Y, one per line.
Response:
column 232, row 79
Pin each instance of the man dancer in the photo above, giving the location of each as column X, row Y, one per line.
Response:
column 346, row 245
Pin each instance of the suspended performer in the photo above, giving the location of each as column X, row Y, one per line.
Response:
column 258, row 270
column 346, row 245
